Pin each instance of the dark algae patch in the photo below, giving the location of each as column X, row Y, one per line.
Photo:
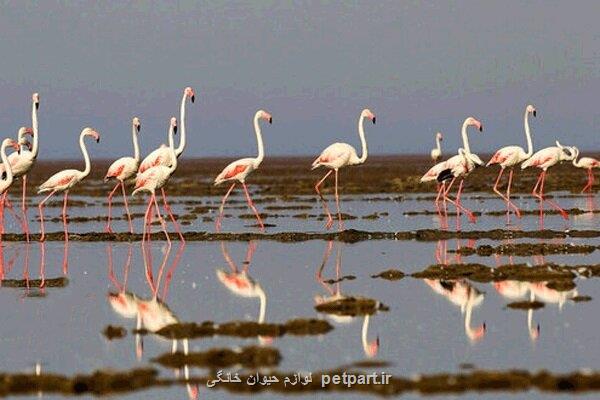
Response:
column 112, row 332
column 527, row 249
column 390, row 275
column 351, row 306
column 25, row 283
column 245, row 329
column 247, row 357
column 578, row 299
column 525, row 305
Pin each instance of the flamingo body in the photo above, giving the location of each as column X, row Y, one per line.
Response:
column 508, row 156
column 123, row 169
column 61, row 181
column 237, row 170
column 544, row 159
column 336, row 156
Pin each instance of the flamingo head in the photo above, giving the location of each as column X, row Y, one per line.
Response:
column 36, row 100
column 574, row 151
column 12, row 143
column 567, row 153
column 474, row 122
column 372, row 348
column 531, row 110
column 439, row 136
column 173, row 124
column 477, row 333
column 189, row 92
column 24, row 131
column 366, row 113
column 262, row 114
column 91, row 132
column 136, row 123
column 534, row 333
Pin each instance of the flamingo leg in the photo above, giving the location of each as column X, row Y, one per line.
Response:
column 10, row 209
column 147, row 219
column 110, row 197
column 64, row 215
column 509, row 202
column 554, row 204
column 251, row 204
column 163, row 224
column 41, row 209
column 168, row 209
column 2, row 215
column 329, row 222
column 590, row 181
column 126, row 207
column 66, row 257
column 442, row 215
column 24, row 208
column 222, row 207
column 337, row 202
column 457, row 204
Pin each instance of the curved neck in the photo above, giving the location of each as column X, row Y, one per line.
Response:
column 259, row 141
column 181, row 146
column 365, row 330
column 172, row 150
column 465, row 138
column 528, row 135
column 576, row 162
column 363, row 141
column 263, row 306
column 86, row 156
column 34, row 125
column 9, row 174
column 438, row 144
column 136, row 146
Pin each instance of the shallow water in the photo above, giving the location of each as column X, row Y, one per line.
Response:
column 426, row 330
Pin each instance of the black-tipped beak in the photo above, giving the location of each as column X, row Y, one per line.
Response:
column 98, row 139
column 534, row 113
column 138, row 127
column 374, row 119
column 271, row 120
column 481, row 128
column 175, row 129
column 193, row 98
column 37, row 105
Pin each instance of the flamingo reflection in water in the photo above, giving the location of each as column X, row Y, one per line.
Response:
column 241, row 283
column 464, row 295
column 151, row 314
column 370, row 348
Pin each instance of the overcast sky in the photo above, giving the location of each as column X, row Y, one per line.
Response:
column 420, row 66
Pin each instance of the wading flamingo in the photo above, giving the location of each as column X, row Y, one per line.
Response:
column 587, row 163
column 6, row 180
column 339, row 155
column 156, row 178
column 516, row 290
column 458, row 166
column 22, row 161
column 436, row 152
column 64, row 180
column 510, row 156
column 124, row 170
column 238, row 170
column 544, row 159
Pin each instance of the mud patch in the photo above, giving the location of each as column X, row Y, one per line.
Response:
column 247, row 357
column 351, row 306
column 112, row 332
column 525, row 305
column 342, row 279
column 390, row 275
column 526, row 249
column 578, row 299
column 25, row 283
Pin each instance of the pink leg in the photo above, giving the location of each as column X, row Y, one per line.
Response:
column 509, row 202
column 147, row 218
column 10, row 209
column 555, row 205
column 457, row 203
column 66, row 257
column 126, row 207
column 590, row 181
column 329, row 222
column 222, row 207
column 24, row 208
column 262, row 226
column 64, row 215
column 2, row 215
column 168, row 209
column 163, row 224
column 110, row 197
column 41, row 209
column 337, row 202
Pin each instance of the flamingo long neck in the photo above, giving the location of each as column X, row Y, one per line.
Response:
column 468, row 330
column 34, row 125
column 136, row 146
column 86, row 157
column 438, row 144
column 365, row 330
column 363, row 140
column 9, row 174
column 528, row 135
column 181, row 146
column 577, row 163
column 465, row 138
column 172, row 150
column 259, row 141
column 263, row 306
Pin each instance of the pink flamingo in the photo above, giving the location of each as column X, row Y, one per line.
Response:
column 515, row 290
column 436, row 152
column 64, row 180
column 124, row 170
column 458, row 166
column 589, row 164
column 156, row 178
column 7, row 181
column 510, row 156
column 544, row 159
column 22, row 161
column 238, row 170
column 162, row 155
column 339, row 155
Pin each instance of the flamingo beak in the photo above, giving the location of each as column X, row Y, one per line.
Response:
column 480, row 128
column 193, row 98
column 373, row 119
column 37, row 105
column 175, row 129
column 138, row 127
column 270, row 120
column 534, row 113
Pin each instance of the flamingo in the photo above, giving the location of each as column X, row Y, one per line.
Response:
column 589, row 164
column 510, row 156
column 238, row 170
column 514, row 290
column 458, row 166
column 22, row 161
column 124, row 170
column 339, row 155
column 64, row 180
column 436, row 152
column 156, row 178
column 544, row 159
column 7, row 181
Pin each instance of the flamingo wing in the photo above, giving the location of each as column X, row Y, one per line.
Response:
column 160, row 156
column 60, row 181
column 235, row 170
column 334, row 155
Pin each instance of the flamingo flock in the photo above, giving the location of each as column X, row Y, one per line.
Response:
column 153, row 172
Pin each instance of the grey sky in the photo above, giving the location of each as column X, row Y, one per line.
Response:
column 420, row 66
